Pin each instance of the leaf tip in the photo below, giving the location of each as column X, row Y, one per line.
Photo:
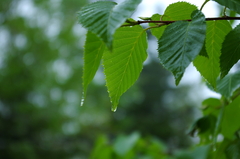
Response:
column 178, row 78
column 109, row 43
column 177, row 81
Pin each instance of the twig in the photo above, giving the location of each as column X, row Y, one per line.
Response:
column 207, row 19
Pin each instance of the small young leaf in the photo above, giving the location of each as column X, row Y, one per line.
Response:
column 204, row 125
column 103, row 17
column 210, row 67
column 122, row 67
column 230, row 51
column 157, row 32
column 228, row 84
column 230, row 123
column 129, row 22
column 231, row 4
column 180, row 43
column 94, row 49
column 211, row 106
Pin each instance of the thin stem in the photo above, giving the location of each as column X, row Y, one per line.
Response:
column 218, row 123
column 130, row 24
column 203, row 5
column 207, row 19
column 161, row 17
column 224, row 12
column 156, row 26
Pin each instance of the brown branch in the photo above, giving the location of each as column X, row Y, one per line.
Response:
column 207, row 19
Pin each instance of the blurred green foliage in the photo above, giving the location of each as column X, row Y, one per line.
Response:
column 41, row 48
column 142, row 148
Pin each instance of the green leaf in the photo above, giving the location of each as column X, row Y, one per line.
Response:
column 124, row 144
column 215, row 102
column 204, row 126
column 96, row 18
column 94, row 49
column 230, row 123
column 180, row 43
column 103, row 17
column 230, row 51
column 231, row 4
column 179, row 11
column 210, row 67
column 228, row 84
column 122, row 67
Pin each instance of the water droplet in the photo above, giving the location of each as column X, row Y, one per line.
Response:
column 114, row 109
column 82, row 101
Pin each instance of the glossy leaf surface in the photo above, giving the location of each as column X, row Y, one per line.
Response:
column 230, row 51
column 104, row 17
column 180, row 43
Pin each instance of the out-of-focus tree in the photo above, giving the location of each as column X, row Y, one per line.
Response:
column 40, row 76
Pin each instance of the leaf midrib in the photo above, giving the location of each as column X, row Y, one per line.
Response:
column 184, row 52
column 129, row 57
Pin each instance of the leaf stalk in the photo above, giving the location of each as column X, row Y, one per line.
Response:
column 203, row 5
